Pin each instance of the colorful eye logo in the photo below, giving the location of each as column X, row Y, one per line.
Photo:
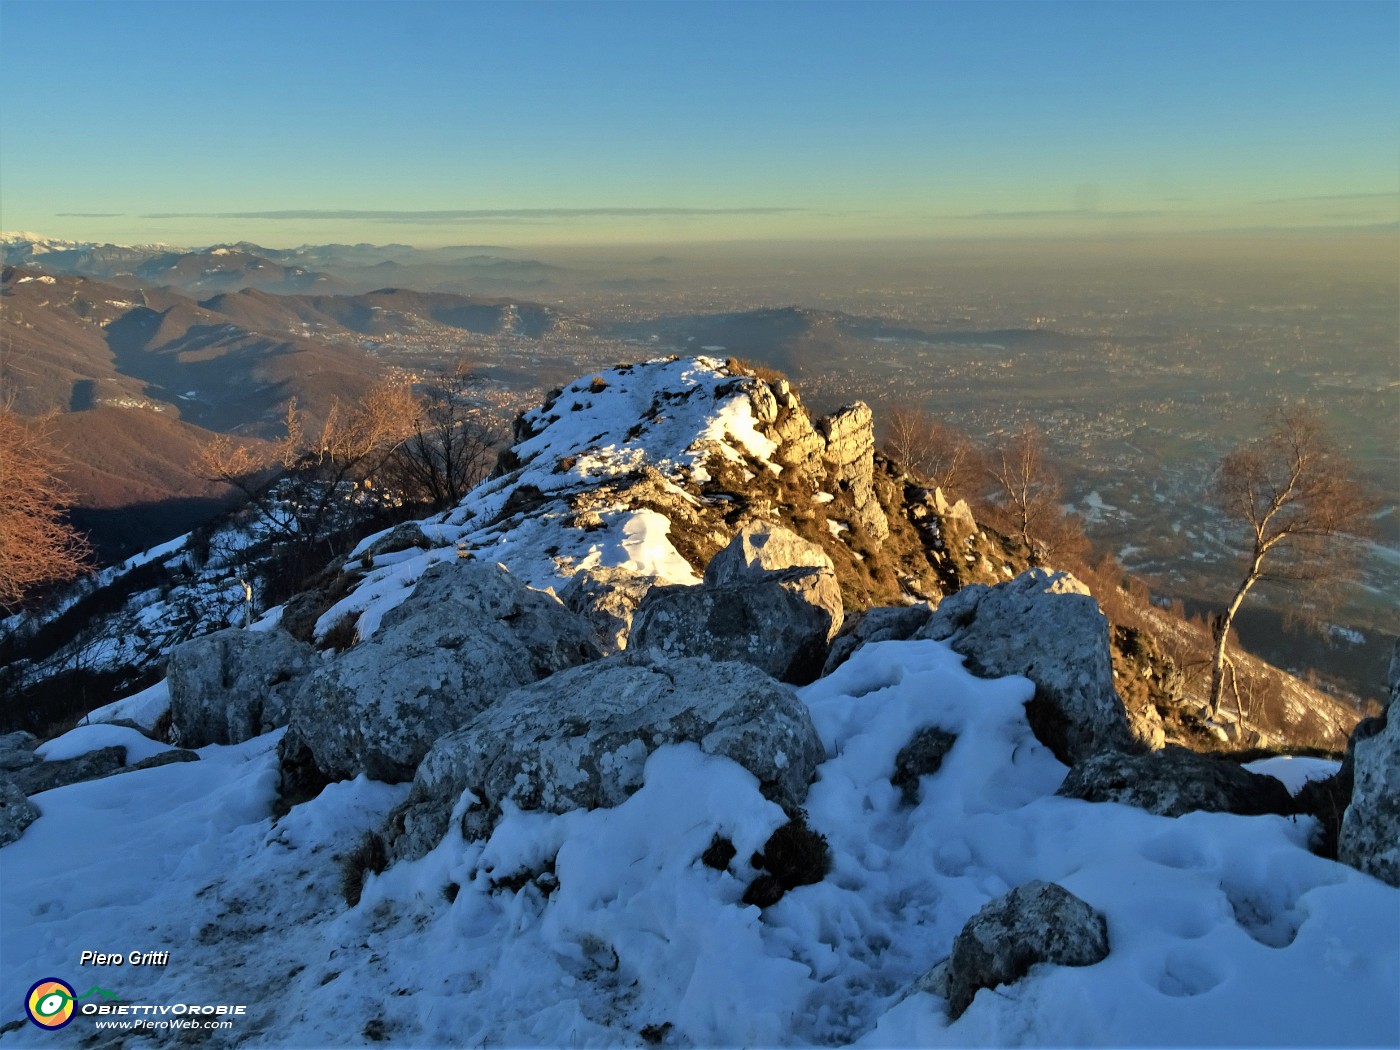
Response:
column 50, row 1003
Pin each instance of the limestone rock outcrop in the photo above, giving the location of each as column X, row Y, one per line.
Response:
column 1174, row 781
column 582, row 737
column 761, row 547
column 235, row 684
column 779, row 619
column 1047, row 627
column 607, row 598
column 468, row 634
column 850, row 448
column 1370, row 833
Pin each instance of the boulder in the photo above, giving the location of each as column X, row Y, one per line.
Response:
column 850, row 461
column 958, row 513
column 17, row 751
column 769, row 598
column 759, row 548
column 172, row 757
column 469, row 633
column 880, row 624
column 780, row 623
column 1040, row 922
column 45, row 776
column 235, row 684
column 1370, row 833
column 16, row 812
column 607, row 598
column 581, row 740
column 1047, row 627
column 921, row 757
column 1174, row 781
column 406, row 536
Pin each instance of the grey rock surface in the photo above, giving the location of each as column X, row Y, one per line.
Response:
column 1047, row 627
column 762, row 547
column 468, row 634
column 1174, row 781
column 769, row 598
column 1040, row 922
column 16, row 812
column 17, row 751
column 1370, row 834
column 607, row 598
column 235, row 684
column 19, row 740
column 850, row 458
column 880, row 624
column 60, row 773
column 17, row 758
column 581, row 740
column 780, row 623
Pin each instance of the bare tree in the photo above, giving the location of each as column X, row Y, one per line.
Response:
column 1027, row 487
column 1299, row 509
column 37, row 544
column 445, row 455
column 303, row 484
column 934, row 450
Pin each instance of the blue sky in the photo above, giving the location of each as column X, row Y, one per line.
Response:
column 582, row 122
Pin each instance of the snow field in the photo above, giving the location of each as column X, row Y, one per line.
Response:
column 1223, row 930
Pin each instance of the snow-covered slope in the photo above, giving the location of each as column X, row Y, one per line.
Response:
column 608, row 472
column 621, row 926
column 1223, row 930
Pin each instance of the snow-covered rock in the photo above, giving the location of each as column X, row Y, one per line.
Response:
column 1047, row 627
column 82, row 739
column 590, row 926
column 91, row 765
column 469, row 633
column 1174, row 781
column 580, row 740
column 1370, row 834
column 1040, row 922
column 234, row 684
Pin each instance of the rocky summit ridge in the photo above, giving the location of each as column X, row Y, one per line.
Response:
column 703, row 724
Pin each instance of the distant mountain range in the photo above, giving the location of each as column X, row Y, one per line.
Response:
column 138, row 378
column 325, row 269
